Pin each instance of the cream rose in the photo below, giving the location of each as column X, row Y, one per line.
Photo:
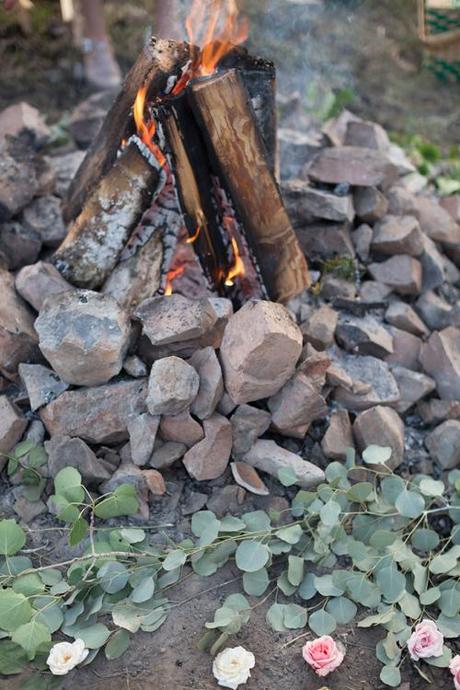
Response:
column 232, row 667
column 425, row 641
column 324, row 655
column 64, row 656
column 454, row 667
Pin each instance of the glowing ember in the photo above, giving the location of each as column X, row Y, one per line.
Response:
column 191, row 240
column 146, row 129
column 171, row 277
column 217, row 26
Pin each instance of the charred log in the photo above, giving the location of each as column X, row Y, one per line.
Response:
column 222, row 107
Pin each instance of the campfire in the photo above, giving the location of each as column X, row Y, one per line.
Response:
column 183, row 169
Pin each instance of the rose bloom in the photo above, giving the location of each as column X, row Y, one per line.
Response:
column 425, row 641
column 454, row 667
column 324, row 655
column 64, row 656
column 232, row 667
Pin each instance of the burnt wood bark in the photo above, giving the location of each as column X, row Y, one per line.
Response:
column 97, row 237
column 194, row 184
column 159, row 61
column 222, row 107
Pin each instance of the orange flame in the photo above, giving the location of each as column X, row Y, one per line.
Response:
column 191, row 240
column 170, row 278
column 237, row 270
column 218, row 32
column 146, row 130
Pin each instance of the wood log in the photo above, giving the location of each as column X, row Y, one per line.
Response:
column 97, row 237
column 194, row 185
column 158, row 62
column 222, row 107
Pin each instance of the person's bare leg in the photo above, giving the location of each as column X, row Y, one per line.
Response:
column 101, row 68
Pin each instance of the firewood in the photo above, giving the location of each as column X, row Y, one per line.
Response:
column 95, row 240
column 158, row 62
column 222, row 107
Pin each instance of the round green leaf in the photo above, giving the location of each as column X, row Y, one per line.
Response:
column 449, row 603
column 78, row 532
column 28, row 584
column 342, row 609
column 251, row 556
column 450, row 627
column 12, row 658
column 275, row 617
column 31, row 636
column 391, row 582
column 117, row 645
column 376, row 455
column 382, row 538
column 122, row 502
column 410, row 504
column 445, row 562
column 390, row 675
column 358, row 493
column 15, row 610
column 295, row 570
column 307, row 589
column 329, row 513
column 425, row 539
column 431, row 487
column 257, row 521
column 324, row 584
column 291, row 535
column 113, row 576
column 67, row 484
column 12, row 537
column 295, row 616
column 287, row 476
column 442, row 661
column 255, row 584
column 322, row 623
column 430, row 596
column 174, row 559
column 391, row 488
column 143, row 591
column 94, row 636
column 132, row 535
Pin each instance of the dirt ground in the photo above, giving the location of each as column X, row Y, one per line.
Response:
column 368, row 47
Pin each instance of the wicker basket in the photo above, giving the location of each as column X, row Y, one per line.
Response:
column 439, row 31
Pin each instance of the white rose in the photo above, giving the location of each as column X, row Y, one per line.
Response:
column 232, row 667
column 64, row 656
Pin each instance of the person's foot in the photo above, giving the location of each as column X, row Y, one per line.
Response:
column 101, row 68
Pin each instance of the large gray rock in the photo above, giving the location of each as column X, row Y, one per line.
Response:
column 402, row 273
column 142, row 430
column 437, row 223
column 364, row 335
column 444, row 444
column 22, row 118
column 209, row 458
column 12, row 427
column 39, row 281
column 398, row 235
column 42, row 384
column 319, row 328
column 413, row 386
column 440, row 358
column 259, row 351
column 166, row 454
column 44, row 217
column 401, row 315
column 173, row 386
column 304, row 203
column 175, row 319
column 18, row 339
column 373, row 383
column 296, row 406
column 64, row 451
column 211, row 388
column 181, row 428
column 381, row 426
column 97, row 415
column 84, row 335
column 248, row 424
column 269, row 457
column 406, row 350
column 368, row 135
column 324, row 240
column 433, row 265
column 370, row 204
column 19, row 245
column 435, row 311
column 357, row 166
column 18, row 180
column 338, row 437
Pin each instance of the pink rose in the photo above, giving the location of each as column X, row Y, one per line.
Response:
column 323, row 655
column 425, row 641
column 454, row 667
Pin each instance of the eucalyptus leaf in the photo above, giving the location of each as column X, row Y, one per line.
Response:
column 123, row 501
column 450, row 627
column 322, row 623
column 358, row 493
column 291, row 535
column 391, row 582
column 12, row 537
column 425, row 539
column 113, row 576
column 342, row 609
column 390, row 675
column 287, row 476
column 377, row 619
column 431, row 487
column 307, row 589
column 295, row 616
column 256, row 583
column 174, row 559
column 94, row 636
column 295, row 570
column 449, row 603
column 442, row 661
column 275, row 617
column 257, row 521
column 67, row 483
column 13, row 658
column 430, row 596
column 376, row 455
column 31, row 636
column 251, row 556
column 15, row 610
column 410, row 504
column 144, row 590
column 329, row 513
column 78, row 532
column 117, row 645
column 324, row 584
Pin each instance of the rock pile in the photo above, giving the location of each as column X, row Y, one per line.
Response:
column 370, row 356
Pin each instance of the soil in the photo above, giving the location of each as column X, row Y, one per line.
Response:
column 366, row 46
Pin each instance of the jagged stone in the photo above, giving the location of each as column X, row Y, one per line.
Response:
column 406, row 349
column 155, row 482
column 332, row 287
column 19, row 245
column 372, row 291
column 368, row 135
column 414, row 385
column 209, row 458
column 135, row 367
column 65, row 167
column 444, row 444
column 211, row 388
column 181, row 428
column 373, row 383
column 166, row 454
column 440, row 358
column 437, row 223
column 319, row 328
column 296, row 406
column 401, row 315
column 173, row 386
column 142, row 430
column 433, row 265
column 398, row 235
column 435, row 311
column 248, row 423
column 64, row 451
column 44, row 216
column 269, row 457
column 370, row 204
column 18, row 339
column 296, row 150
column 402, row 273
column 364, row 335
column 362, row 238
column 357, row 166
column 97, row 415
column 401, row 201
column 12, row 427
column 42, row 384
column 435, row 411
column 23, row 118
column 451, row 204
column 259, row 351
column 338, row 437
column 381, row 426
column 305, row 203
column 39, row 281
column 84, row 335
column 322, row 240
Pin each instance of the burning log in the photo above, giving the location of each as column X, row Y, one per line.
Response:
column 158, row 63
column 223, row 110
column 95, row 240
